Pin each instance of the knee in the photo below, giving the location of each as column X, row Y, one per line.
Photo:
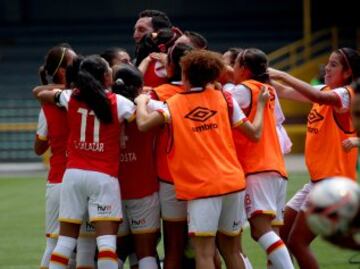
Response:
column 259, row 226
column 204, row 252
column 255, row 233
column 229, row 246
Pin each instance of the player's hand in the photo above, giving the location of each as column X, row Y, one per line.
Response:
column 142, row 99
column 264, row 95
column 350, row 143
column 159, row 56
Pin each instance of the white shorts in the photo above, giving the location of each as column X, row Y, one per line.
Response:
column 172, row 209
column 140, row 215
column 91, row 191
column 300, row 200
column 266, row 194
column 216, row 214
column 52, row 204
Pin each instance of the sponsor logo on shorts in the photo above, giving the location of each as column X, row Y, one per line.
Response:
column 138, row 223
column 236, row 225
column 89, row 227
column 104, row 209
column 247, row 203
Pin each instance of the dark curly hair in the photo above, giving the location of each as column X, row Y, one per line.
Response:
column 201, row 67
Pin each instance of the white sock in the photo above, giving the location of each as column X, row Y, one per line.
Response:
column 148, row 263
column 276, row 251
column 50, row 246
column 62, row 252
column 107, row 258
column 246, row 261
column 85, row 252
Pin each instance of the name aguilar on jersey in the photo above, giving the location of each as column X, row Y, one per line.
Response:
column 93, row 146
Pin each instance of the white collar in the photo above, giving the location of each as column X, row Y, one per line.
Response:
column 196, row 89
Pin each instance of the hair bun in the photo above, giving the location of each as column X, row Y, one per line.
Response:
column 119, row 82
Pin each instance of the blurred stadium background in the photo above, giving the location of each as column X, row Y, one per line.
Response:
column 298, row 36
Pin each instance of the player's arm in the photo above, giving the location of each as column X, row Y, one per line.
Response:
column 286, row 92
column 50, row 97
column 327, row 98
column 49, row 87
column 254, row 130
column 41, row 141
column 143, row 66
column 146, row 120
column 40, row 146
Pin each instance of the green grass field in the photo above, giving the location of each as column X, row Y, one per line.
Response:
column 22, row 225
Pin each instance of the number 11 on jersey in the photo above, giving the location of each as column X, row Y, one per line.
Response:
column 84, row 117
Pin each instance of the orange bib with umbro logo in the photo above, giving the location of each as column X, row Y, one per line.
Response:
column 202, row 159
column 324, row 154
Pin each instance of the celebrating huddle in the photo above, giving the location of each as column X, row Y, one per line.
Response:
column 186, row 136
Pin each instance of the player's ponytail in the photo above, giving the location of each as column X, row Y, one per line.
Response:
column 43, row 75
column 128, row 81
column 90, row 83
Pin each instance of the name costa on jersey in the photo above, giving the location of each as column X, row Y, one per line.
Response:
column 128, row 157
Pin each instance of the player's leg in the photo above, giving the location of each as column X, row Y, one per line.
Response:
column 204, row 215
column 299, row 242
column 86, row 246
column 261, row 206
column 145, row 226
column 105, row 214
column 229, row 229
column 73, row 205
column 174, row 216
column 52, row 224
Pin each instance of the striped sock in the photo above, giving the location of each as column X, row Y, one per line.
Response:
column 62, row 252
column 50, row 246
column 276, row 251
column 107, row 258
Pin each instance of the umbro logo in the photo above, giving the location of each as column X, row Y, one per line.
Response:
column 314, row 116
column 200, row 114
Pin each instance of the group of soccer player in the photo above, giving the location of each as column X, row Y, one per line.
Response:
column 186, row 136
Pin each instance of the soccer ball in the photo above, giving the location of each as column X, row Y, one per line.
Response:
column 333, row 203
